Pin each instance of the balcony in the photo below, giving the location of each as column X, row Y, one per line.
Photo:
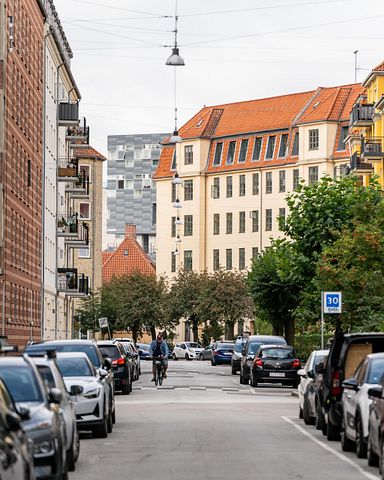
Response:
column 358, row 167
column 372, row 149
column 67, row 225
column 80, row 188
column 71, row 283
column 78, row 135
column 362, row 115
column 82, row 238
column 68, row 114
column 68, row 170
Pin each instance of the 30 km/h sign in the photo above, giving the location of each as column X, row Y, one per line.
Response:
column 332, row 302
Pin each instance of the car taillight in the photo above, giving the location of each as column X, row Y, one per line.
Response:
column 296, row 363
column 336, row 387
column 216, row 352
column 259, row 362
column 119, row 361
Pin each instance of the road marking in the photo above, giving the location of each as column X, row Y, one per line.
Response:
column 340, row 455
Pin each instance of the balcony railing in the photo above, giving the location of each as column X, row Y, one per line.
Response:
column 372, row 149
column 82, row 238
column 362, row 115
column 71, row 283
column 68, row 169
column 68, row 113
column 67, row 225
column 79, row 134
column 80, row 188
column 357, row 166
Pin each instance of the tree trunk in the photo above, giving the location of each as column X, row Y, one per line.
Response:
column 289, row 330
column 153, row 333
column 195, row 327
column 135, row 334
column 240, row 327
column 229, row 330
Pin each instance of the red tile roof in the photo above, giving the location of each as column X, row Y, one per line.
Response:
column 88, row 152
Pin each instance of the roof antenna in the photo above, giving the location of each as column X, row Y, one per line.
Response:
column 356, row 67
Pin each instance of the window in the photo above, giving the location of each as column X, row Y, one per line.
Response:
column 120, row 185
column 314, row 139
column 268, row 219
column 154, row 213
column 173, row 194
column 85, row 170
column 188, row 260
column 241, row 185
column 281, row 218
column 216, row 259
column 218, row 152
column 129, row 163
column 257, row 148
column 243, row 151
column 188, row 155
column 283, row 145
column 85, row 210
column 128, row 184
column 228, row 259
column 173, row 227
column 296, row 178
column 84, row 252
column 229, row 187
column 270, row 147
column 229, row 223
column 268, row 182
column 241, row 258
column 343, row 136
column 295, row 148
column 255, row 220
column 137, row 193
column 231, row 152
column 216, row 223
column 282, row 181
column 188, row 225
column 29, row 174
column 173, row 166
column 255, row 184
column 173, row 262
column 215, row 193
column 188, row 189
column 313, row 175
column 241, row 222
column 255, row 252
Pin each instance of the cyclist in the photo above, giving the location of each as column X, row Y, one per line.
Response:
column 159, row 349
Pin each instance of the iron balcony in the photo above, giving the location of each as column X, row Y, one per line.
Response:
column 71, row 283
column 372, row 149
column 68, row 169
column 362, row 115
column 79, row 134
column 80, row 188
column 359, row 167
column 68, row 114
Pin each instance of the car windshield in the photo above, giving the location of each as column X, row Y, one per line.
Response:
column 193, row 345
column 74, row 367
column 225, row 346
column 376, row 371
column 21, row 383
column 253, row 346
column 110, row 351
column 238, row 347
column 277, row 353
column 89, row 350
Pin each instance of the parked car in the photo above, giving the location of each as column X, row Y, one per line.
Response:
column 143, row 351
column 122, row 364
column 345, row 354
column 375, row 443
column 236, row 354
column 355, row 403
column 187, row 350
column 250, row 347
column 51, row 375
column 132, row 352
column 275, row 364
column 16, row 449
column 45, row 424
column 307, row 389
column 90, row 348
column 206, row 353
column 222, row 352
column 88, row 388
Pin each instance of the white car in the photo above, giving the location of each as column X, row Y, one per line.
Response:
column 307, row 388
column 355, row 403
column 87, row 387
column 187, row 350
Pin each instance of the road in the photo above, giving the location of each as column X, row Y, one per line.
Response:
column 202, row 424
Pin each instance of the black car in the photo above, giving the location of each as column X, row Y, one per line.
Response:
column 45, row 425
column 237, row 352
column 345, row 354
column 375, row 443
column 133, row 353
column 275, row 364
column 16, row 449
column 250, row 348
column 122, row 366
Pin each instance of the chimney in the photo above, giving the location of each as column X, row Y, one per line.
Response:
column 130, row 230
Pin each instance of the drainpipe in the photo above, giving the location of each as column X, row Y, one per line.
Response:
column 261, row 210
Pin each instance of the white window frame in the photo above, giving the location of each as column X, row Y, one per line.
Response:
column 89, row 167
column 89, row 211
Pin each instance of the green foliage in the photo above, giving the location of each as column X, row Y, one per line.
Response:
column 305, row 343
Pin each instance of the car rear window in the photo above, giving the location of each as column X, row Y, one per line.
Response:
column 193, row 345
column 89, row 350
column 277, row 353
column 225, row 346
column 376, row 371
column 21, row 383
column 74, row 367
column 110, row 351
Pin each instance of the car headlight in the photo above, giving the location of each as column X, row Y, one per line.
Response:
column 43, row 448
column 94, row 393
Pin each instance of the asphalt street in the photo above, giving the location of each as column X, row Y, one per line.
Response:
column 202, row 424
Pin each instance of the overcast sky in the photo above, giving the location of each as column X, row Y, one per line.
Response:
column 233, row 50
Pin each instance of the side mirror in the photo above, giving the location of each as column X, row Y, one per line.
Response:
column 350, row 383
column 76, row 390
column 107, row 363
column 319, row 368
column 24, row 413
column 13, row 421
column 103, row 373
column 301, row 372
column 55, row 395
column 375, row 392
column 311, row 374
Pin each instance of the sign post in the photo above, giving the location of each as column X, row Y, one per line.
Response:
column 330, row 303
column 103, row 323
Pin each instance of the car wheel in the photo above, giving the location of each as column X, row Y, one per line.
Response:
column 361, row 444
column 308, row 420
column 187, row 356
column 233, row 370
column 347, row 445
column 73, row 452
column 373, row 459
column 101, row 431
column 125, row 389
column 201, row 358
column 333, row 432
column 114, row 416
column 109, row 423
column 381, row 460
column 213, row 363
column 64, row 475
column 253, row 382
column 174, row 356
column 243, row 380
column 300, row 412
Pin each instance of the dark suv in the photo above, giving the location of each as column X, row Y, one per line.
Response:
column 346, row 352
column 122, row 366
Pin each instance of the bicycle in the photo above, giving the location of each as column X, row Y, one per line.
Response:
column 158, row 362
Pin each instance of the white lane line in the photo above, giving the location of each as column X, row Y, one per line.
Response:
column 340, row 455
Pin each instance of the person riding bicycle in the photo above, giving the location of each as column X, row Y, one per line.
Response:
column 159, row 349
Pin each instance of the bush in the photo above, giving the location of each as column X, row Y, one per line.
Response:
column 305, row 343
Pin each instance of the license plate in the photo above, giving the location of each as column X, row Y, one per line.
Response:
column 276, row 374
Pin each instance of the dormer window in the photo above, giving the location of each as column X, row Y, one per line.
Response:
column 271, row 147
column 218, row 152
column 243, row 151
